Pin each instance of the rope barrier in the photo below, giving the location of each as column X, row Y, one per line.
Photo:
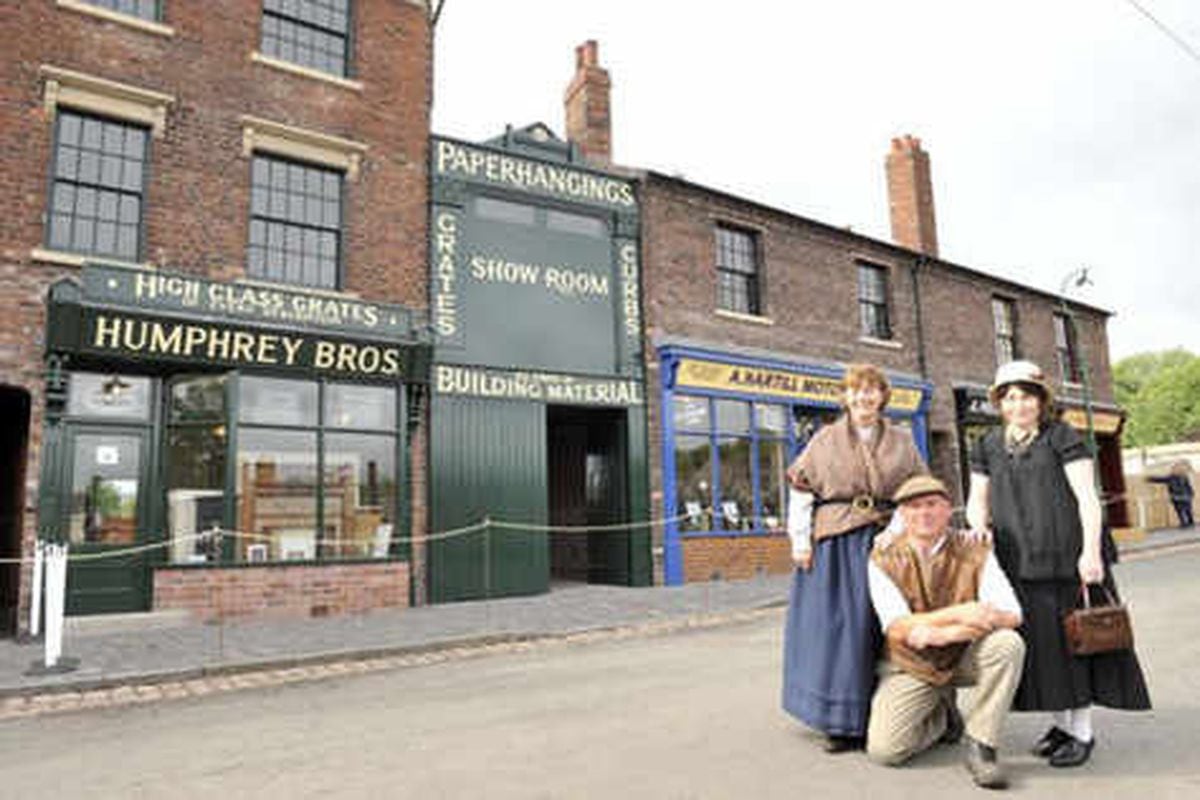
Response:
column 763, row 522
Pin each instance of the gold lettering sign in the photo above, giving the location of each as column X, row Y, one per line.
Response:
column 777, row 383
column 134, row 336
column 1102, row 421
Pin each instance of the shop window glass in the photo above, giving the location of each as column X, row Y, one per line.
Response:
column 733, row 416
column 275, row 401
column 104, row 489
column 691, row 413
column 360, row 495
column 277, row 495
column 693, row 474
column 737, row 485
column 772, row 463
column 108, row 396
column 770, row 419
column 360, row 407
column 196, row 440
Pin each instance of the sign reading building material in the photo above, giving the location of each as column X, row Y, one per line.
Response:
column 535, row 386
column 743, row 379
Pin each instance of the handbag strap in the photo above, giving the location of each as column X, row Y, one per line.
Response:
column 1086, row 595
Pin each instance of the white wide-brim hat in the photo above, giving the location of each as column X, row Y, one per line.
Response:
column 1019, row 372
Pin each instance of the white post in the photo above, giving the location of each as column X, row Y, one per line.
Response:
column 35, row 590
column 56, row 586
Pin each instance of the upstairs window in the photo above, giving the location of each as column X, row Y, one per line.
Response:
column 1004, row 318
column 142, row 9
column 874, row 320
column 737, row 271
column 295, row 223
column 310, row 33
column 98, row 188
column 1066, row 349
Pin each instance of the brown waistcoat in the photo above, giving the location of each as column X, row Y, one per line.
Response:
column 950, row 577
column 836, row 465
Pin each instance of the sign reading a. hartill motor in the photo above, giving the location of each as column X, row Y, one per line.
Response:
column 133, row 336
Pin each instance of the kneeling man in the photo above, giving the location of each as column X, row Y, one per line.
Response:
column 948, row 614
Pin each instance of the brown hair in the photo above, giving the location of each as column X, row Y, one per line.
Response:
column 867, row 375
column 1046, row 411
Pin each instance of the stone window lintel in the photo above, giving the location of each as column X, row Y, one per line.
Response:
column 265, row 136
column 88, row 93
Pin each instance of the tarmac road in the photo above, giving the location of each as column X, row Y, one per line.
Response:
column 684, row 715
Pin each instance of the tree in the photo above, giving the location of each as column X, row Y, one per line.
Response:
column 1161, row 393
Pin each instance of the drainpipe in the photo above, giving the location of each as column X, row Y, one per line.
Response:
column 922, row 366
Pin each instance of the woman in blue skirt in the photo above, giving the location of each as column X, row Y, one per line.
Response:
column 842, row 483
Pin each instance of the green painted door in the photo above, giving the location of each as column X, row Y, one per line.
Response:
column 105, row 503
column 487, row 458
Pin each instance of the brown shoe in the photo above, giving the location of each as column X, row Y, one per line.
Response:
column 981, row 762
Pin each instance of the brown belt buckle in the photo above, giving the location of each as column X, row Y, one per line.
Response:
column 863, row 503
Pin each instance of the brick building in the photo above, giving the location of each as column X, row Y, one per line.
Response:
column 212, row 260
column 751, row 313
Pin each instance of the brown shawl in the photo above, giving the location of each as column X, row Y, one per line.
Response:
column 837, row 465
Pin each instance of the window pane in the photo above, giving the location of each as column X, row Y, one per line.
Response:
column 360, row 495
column 350, row 405
column 693, row 476
column 691, row 413
column 277, row 495
column 733, row 416
column 283, row 208
column 737, row 489
column 770, row 419
column 276, row 401
column 580, row 224
column 146, row 9
column 772, row 462
column 93, row 394
column 197, row 399
column 504, row 211
column 195, row 490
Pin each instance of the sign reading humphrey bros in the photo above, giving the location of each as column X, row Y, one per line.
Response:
column 527, row 268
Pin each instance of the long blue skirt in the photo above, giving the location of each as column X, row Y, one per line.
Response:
column 832, row 639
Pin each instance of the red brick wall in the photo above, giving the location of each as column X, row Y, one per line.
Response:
column 734, row 557
column 282, row 589
column 197, row 189
column 810, row 292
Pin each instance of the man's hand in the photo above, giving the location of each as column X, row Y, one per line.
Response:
column 974, row 535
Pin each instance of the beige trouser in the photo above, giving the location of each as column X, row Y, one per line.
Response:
column 908, row 715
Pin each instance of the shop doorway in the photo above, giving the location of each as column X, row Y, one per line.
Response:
column 588, row 486
column 106, row 504
column 14, row 438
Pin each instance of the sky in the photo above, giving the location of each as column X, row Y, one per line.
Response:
column 1062, row 134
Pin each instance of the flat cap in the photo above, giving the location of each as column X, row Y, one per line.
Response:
column 919, row 486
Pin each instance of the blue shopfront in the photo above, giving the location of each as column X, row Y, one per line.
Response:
column 731, row 424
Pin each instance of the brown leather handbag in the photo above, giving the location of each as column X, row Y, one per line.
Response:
column 1098, row 629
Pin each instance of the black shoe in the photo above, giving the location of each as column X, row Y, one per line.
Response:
column 981, row 762
column 1073, row 753
column 844, row 744
column 1051, row 740
column 954, row 725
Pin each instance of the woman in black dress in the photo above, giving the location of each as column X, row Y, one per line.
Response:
column 1033, row 485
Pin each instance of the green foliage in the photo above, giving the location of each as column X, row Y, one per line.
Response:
column 1161, row 393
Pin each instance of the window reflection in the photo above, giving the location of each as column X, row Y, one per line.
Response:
column 360, row 493
column 693, row 473
column 277, row 495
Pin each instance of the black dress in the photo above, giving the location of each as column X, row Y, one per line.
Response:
column 1038, row 541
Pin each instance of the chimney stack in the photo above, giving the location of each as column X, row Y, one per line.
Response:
column 589, row 123
column 910, row 196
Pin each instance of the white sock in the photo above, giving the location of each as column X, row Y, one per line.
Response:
column 1081, row 723
column 1062, row 720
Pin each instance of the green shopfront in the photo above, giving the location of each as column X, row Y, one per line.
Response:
column 179, row 406
column 538, row 405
